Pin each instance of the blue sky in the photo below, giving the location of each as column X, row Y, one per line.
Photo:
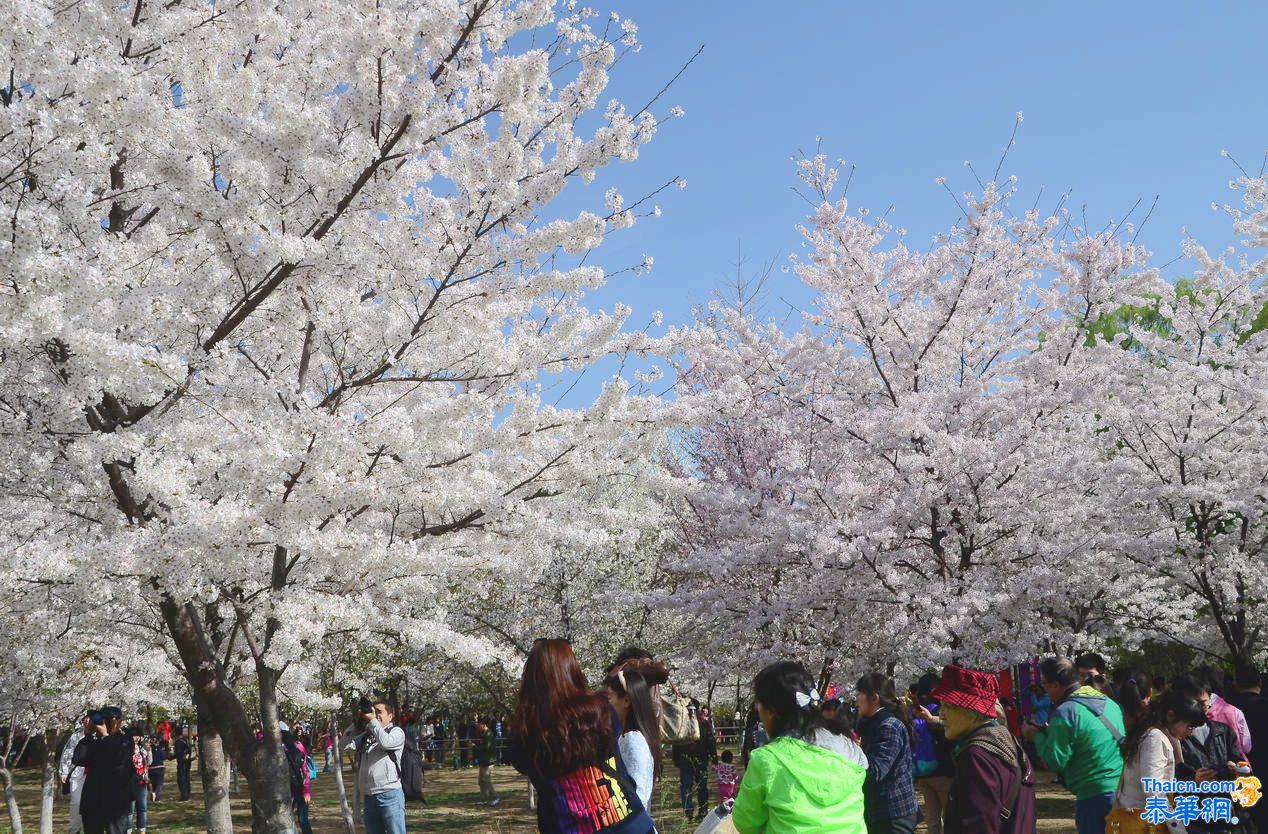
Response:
column 1122, row 101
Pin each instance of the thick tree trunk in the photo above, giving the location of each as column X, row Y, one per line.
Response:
column 213, row 770
column 271, row 803
column 263, row 763
column 349, row 821
column 49, row 782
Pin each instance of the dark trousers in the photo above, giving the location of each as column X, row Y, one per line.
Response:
column 156, row 782
column 899, row 825
column 692, row 773
column 182, row 779
column 108, row 825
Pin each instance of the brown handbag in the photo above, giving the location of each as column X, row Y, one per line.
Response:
column 1130, row 821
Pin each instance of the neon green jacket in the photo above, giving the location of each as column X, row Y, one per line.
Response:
column 793, row 787
column 1078, row 745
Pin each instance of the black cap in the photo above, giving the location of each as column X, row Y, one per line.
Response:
column 110, row 712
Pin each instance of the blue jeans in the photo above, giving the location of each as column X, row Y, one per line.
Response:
column 141, row 806
column 1089, row 814
column 384, row 813
column 301, row 816
column 692, row 774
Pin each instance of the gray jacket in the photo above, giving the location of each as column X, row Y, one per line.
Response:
column 380, row 749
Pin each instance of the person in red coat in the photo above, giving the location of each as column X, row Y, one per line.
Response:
column 993, row 786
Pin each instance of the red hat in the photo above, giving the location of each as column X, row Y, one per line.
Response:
column 968, row 689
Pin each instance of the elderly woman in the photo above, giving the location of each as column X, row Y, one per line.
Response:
column 992, row 787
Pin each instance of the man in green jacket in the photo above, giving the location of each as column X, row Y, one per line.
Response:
column 1080, row 742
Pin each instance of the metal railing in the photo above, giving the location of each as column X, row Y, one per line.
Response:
column 456, row 754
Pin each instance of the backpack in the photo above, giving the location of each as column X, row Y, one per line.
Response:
column 924, row 754
column 410, row 767
column 297, row 766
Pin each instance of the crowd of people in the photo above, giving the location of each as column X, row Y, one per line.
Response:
column 878, row 760
column 112, row 774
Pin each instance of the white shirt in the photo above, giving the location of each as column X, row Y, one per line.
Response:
column 638, row 761
column 1156, row 759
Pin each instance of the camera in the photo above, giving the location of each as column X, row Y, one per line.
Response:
column 364, row 705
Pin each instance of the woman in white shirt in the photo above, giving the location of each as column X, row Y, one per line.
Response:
column 1152, row 748
column 631, row 697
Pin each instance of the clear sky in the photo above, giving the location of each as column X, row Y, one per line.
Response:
column 1122, row 101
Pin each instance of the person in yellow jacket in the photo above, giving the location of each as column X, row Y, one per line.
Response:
column 806, row 780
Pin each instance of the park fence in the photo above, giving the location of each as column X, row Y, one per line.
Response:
column 456, row 754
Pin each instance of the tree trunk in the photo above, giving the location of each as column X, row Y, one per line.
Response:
column 263, row 763
column 11, row 801
column 49, row 783
column 349, row 821
column 214, row 772
column 270, row 777
column 10, row 798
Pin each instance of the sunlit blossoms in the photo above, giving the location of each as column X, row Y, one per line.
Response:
column 280, row 290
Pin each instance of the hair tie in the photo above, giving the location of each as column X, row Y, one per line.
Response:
column 807, row 699
column 620, row 676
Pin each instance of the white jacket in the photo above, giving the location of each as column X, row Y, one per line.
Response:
column 1156, row 759
column 66, row 769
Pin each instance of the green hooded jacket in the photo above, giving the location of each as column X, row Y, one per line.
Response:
column 793, row 787
column 1077, row 744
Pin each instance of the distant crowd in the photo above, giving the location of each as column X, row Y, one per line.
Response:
column 813, row 757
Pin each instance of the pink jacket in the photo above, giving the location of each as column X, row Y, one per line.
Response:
column 308, row 784
column 1226, row 713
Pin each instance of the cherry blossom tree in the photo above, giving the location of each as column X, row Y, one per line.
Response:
column 1183, row 428
column 282, row 284
column 904, row 479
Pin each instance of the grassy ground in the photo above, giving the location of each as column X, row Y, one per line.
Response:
column 451, row 806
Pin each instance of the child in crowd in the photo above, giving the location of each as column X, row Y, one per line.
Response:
column 726, row 775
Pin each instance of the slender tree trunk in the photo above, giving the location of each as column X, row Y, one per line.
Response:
column 11, row 800
column 49, row 782
column 349, row 821
column 214, row 772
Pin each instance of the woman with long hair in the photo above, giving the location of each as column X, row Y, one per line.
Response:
column 564, row 739
column 805, row 780
column 1133, row 692
column 1152, row 748
column 631, row 698
column 887, row 735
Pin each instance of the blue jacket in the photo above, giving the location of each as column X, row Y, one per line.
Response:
column 889, row 792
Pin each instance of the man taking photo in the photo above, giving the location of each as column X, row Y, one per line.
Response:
column 110, row 786
column 379, row 775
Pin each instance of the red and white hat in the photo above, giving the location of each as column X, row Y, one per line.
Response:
column 968, row 689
